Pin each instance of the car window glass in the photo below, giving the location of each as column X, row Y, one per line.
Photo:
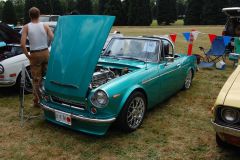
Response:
column 44, row 19
column 134, row 48
column 54, row 18
column 167, row 50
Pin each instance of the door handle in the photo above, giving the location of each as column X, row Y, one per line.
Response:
column 179, row 65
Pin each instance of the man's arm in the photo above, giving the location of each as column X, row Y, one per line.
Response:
column 23, row 41
column 49, row 32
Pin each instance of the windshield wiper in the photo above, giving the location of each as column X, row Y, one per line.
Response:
column 132, row 58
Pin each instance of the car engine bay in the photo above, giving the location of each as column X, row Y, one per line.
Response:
column 103, row 75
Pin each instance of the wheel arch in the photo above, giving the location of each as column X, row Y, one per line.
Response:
column 130, row 92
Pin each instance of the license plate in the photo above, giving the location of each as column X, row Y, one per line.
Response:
column 63, row 118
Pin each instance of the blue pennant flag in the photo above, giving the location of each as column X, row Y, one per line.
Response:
column 187, row 35
column 226, row 40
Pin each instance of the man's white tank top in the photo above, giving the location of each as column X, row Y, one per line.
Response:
column 37, row 36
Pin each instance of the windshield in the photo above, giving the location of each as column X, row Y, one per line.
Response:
column 44, row 18
column 136, row 49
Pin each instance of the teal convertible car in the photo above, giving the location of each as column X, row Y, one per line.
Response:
column 87, row 90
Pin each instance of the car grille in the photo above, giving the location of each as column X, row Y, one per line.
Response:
column 220, row 121
column 68, row 103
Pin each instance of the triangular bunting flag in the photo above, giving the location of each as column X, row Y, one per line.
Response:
column 212, row 37
column 173, row 37
column 187, row 35
column 226, row 40
column 195, row 34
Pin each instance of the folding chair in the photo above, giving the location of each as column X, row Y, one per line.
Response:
column 235, row 56
column 215, row 54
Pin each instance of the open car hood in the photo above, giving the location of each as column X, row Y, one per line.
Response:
column 232, row 12
column 9, row 35
column 75, row 51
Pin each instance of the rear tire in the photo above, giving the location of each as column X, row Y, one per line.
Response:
column 133, row 112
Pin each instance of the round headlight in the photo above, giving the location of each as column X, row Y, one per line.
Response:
column 100, row 99
column 1, row 69
column 230, row 115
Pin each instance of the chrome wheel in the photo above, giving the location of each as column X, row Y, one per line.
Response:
column 188, row 80
column 136, row 112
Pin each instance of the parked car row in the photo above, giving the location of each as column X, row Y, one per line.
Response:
column 101, row 78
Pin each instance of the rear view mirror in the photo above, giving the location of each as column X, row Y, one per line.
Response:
column 169, row 60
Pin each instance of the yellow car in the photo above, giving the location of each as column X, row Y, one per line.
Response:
column 226, row 112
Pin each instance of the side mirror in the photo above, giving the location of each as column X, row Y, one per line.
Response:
column 169, row 60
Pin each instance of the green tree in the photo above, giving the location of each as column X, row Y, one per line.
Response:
column 102, row 6
column 114, row 8
column 8, row 13
column 212, row 12
column 44, row 6
column 1, row 8
column 125, row 5
column 84, row 6
column 56, row 7
column 139, row 13
column 181, row 8
column 154, row 9
column 194, row 12
column 28, row 4
column 234, row 3
column 166, row 11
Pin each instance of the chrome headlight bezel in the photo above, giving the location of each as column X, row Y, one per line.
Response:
column 230, row 115
column 1, row 69
column 100, row 99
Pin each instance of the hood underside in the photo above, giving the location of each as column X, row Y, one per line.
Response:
column 75, row 51
column 9, row 35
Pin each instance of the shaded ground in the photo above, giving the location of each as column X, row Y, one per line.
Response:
column 176, row 129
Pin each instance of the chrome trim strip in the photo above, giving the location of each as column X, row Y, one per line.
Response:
column 81, row 118
column 227, row 130
column 67, row 105
column 146, row 81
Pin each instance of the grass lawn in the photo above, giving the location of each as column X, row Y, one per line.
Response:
column 177, row 129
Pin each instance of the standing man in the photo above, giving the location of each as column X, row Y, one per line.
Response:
column 38, row 35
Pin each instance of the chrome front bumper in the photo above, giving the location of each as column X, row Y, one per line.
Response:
column 81, row 118
column 227, row 130
column 6, row 83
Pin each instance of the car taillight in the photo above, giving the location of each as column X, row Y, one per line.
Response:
column 1, row 76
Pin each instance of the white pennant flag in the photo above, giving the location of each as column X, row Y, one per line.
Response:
column 195, row 34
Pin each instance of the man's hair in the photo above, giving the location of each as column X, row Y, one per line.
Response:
column 34, row 13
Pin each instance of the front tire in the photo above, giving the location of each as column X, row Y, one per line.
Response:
column 188, row 80
column 133, row 112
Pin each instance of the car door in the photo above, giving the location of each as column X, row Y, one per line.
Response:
column 169, row 71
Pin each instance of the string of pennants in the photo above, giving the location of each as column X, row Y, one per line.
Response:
column 192, row 36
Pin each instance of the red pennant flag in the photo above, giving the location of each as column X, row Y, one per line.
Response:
column 173, row 37
column 212, row 37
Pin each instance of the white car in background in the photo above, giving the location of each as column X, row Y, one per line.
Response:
column 51, row 20
column 12, row 59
